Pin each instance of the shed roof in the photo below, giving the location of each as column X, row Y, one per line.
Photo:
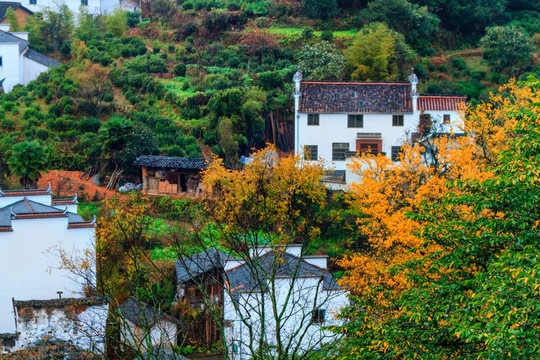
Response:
column 190, row 267
column 355, row 97
column 42, row 59
column 142, row 314
column 171, row 162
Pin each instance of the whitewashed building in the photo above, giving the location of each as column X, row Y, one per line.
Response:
column 93, row 7
column 34, row 229
column 307, row 298
column 336, row 119
column 18, row 63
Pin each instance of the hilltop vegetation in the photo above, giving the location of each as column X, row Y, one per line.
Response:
column 231, row 64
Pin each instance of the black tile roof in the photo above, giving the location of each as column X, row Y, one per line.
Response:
column 4, row 5
column 355, row 97
column 60, row 302
column 26, row 192
column 189, row 268
column 42, row 59
column 141, row 314
column 171, row 162
column 6, row 37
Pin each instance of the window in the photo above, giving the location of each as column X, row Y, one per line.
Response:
column 0, row 61
column 339, row 151
column 33, row 2
column 397, row 120
column 446, row 119
column 318, row 316
column 313, row 119
column 396, row 150
column 371, row 147
column 311, row 152
column 84, row 2
column 355, row 121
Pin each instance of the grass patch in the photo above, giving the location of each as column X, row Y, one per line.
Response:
column 297, row 33
column 176, row 86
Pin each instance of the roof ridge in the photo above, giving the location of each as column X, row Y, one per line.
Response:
column 27, row 204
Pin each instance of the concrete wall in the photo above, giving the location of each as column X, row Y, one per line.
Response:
column 296, row 319
column 29, row 262
column 82, row 325
column 11, row 64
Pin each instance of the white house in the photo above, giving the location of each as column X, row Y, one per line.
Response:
column 147, row 330
column 94, row 7
column 272, row 288
column 34, row 228
column 18, row 63
column 336, row 119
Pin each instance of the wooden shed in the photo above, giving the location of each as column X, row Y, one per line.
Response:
column 164, row 175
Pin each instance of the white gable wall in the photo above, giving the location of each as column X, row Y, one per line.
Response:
column 31, row 70
column 42, row 199
column 11, row 65
column 29, row 262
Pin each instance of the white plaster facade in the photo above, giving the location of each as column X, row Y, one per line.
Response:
column 79, row 322
column 333, row 126
column 297, row 298
column 30, row 244
column 18, row 63
column 93, row 7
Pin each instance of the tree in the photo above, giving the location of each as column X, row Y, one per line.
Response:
column 507, row 46
column 321, row 61
column 416, row 23
column 117, row 23
column 377, row 53
column 470, row 287
column 320, row 9
column 258, row 42
column 12, row 20
column 27, row 161
column 276, row 203
column 59, row 26
column 95, row 86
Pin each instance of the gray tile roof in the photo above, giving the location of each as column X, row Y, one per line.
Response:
column 248, row 277
column 60, row 302
column 171, row 162
column 355, row 97
column 42, row 59
column 6, row 37
column 189, row 268
column 29, row 207
column 143, row 315
column 4, row 5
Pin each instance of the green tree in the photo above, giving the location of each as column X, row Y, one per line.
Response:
column 321, row 61
column 416, row 23
column 59, row 26
column 117, row 23
column 114, row 135
column 27, row 161
column 378, row 53
column 320, row 9
column 12, row 20
column 507, row 46
column 36, row 27
column 477, row 297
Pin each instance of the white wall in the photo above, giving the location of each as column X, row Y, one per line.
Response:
column 297, row 315
column 29, row 265
column 81, row 325
column 31, row 70
column 10, row 65
column 141, row 339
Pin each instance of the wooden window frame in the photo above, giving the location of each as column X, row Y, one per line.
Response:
column 337, row 149
column 354, row 119
column 396, row 150
column 311, row 152
column 313, row 119
column 446, row 119
column 360, row 142
column 318, row 316
column 398, row 120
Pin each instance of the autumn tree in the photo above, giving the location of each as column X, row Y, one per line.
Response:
column 378, row 53
column 475, row 297
column 258, row 42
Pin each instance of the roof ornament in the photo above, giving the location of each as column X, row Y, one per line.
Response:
column 1, row 193
column 49, row 189
column 93, row 220
column 297, row 78
column 75, row 199
column 413, row 79
column 66, row 210
column 12, row 212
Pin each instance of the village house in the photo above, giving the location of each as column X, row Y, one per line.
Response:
column 145, row 329
column 34, row 230
column 93, row 7
column 18, row 63
column 21, row 12
column 336, row 119
column 164, row 175
column 305, row 294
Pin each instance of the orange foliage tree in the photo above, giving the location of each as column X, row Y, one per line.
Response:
column 388, row 191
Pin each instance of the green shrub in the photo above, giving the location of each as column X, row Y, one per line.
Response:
column 442, row 68
column 459, row 63
column 327, row 35
column 307, row 33
column 180, row 69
